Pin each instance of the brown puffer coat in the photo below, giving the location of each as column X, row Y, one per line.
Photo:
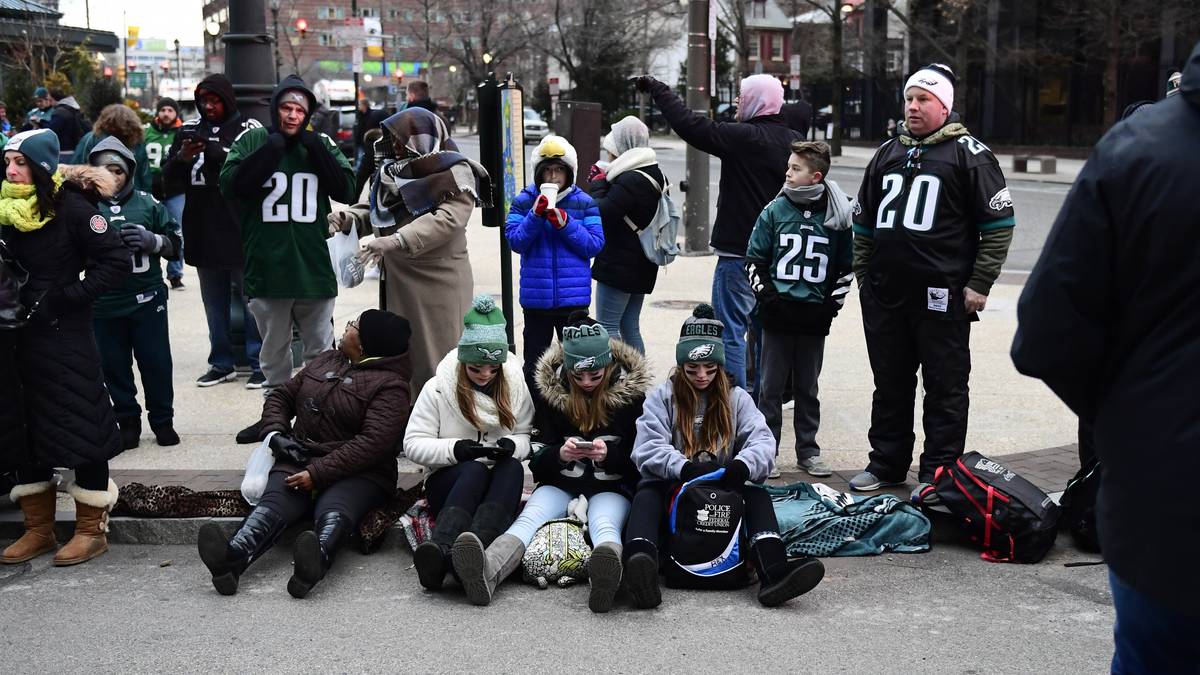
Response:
column 352, row 415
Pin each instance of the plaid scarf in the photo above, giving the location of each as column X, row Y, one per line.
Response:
column 431, row 172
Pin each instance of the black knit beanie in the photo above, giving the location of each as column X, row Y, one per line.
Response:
column 167, row 102
column 383, row 333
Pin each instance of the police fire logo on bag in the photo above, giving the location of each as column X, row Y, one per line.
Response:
column 715, row 516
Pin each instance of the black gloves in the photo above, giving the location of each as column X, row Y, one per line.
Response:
column 693, row 470
column 466, row 450
column 736, row 474
column 138, row 238
column 286, row 448
column 507, row 448
column 643, row 82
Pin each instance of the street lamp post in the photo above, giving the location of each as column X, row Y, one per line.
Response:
column 178, row 71
column 699, row 101
column 275, row 37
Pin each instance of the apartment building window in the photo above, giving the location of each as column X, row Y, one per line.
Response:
column 368, row 12
column 776, row 47
column 752, row 52
column 331, row 13
column 393, row 14
column 758, row 9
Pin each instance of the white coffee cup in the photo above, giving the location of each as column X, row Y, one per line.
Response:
column 550, row 190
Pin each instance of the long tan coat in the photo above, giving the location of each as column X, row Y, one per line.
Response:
column 429, row 281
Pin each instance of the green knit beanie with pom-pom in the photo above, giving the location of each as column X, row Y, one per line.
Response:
column 700, row 338
column 484, row 339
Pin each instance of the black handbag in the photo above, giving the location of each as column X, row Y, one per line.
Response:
column 13, row 277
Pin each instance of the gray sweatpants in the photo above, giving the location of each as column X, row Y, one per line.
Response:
column 799, row 357
column 274, row 316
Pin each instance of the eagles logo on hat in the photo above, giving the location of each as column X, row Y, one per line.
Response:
column 700, row 339
column 491, row 354
column 484, row 339
column 585, row 343
column 700, row 353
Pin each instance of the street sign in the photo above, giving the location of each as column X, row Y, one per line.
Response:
column 794, row 84
column 794, row 64
column 554, row 86
column 356, row 60
column 137, row 80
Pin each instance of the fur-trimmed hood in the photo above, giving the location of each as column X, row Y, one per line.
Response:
column 90, row 179
column 633, row 378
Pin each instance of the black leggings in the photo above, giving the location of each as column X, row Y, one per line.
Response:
column 648, row 513
column 468, row 484
column 352, row 497
column 87, row 476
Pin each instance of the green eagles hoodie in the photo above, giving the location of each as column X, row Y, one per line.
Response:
column 129, row 207
column 281, row 188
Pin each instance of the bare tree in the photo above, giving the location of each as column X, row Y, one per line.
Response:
column 731, row 18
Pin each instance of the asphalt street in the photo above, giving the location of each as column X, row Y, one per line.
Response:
column 1036, row 203
column 151, row 609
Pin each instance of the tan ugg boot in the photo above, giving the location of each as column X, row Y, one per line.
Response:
column 91, row 524
column 37, row 503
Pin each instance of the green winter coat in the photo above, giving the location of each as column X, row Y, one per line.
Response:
column 284, row 227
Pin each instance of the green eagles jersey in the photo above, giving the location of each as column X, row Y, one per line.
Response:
column 157, row 145
column 147, row 279
column 806, row 258
column 284, row 227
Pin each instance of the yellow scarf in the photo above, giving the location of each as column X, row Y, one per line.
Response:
column 18, row 204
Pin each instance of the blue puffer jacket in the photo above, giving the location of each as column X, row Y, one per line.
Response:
column 555, row 270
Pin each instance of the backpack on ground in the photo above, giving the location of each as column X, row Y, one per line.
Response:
column 1078, row 505
column 659, row 238
column 1006, row 515
column 706, row 545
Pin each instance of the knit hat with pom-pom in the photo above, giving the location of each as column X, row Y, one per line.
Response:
column 700, row 338
column 484, row 339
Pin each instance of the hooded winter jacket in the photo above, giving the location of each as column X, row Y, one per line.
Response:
column 141, row 176
column 135, row 207
column 68, row 124
column 211, row 228
column 68, row 413
column 656, row 449
column 350, row 415
column 555, row 263
column 624, row 398
column 754, row 157
column 437, row 423
column 1108, row 321
column 281, row 187
column 626, row 199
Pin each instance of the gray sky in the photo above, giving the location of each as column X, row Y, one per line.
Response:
column 165, row 19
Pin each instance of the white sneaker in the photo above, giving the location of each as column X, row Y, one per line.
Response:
column 774, row 474
column 790, row 405
column 815, row 466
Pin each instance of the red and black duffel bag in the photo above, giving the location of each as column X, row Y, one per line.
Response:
column 1006, row 515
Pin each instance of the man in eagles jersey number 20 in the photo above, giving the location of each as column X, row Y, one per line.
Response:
column 931, row 232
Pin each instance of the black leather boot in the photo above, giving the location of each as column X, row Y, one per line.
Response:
column 314, row 551
column 432, row 557
column 641, row 573
column 780, row 579
column 227, row 560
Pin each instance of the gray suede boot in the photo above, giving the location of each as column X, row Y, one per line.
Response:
column 482, row 570
column 604, row 576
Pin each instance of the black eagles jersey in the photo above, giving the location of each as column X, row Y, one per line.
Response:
column 925, row 207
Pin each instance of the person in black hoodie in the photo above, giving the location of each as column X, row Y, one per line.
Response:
column 211, row 228
column 590, row 394
column 754, row 156
column 1108, row 321
column 49, row 222
column 628, row 189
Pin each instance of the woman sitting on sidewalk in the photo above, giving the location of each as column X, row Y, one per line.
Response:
column 470, row 428
column 719, row 421
column 591, row 391
column 336, row 460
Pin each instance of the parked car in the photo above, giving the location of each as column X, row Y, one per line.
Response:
column 535, row 127
column 726, row 112
column 344, row 135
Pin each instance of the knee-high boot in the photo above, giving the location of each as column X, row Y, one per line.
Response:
column 482, row 569
column 37, row 504
column 314, row 551
column 228, row 559
column 431, row 558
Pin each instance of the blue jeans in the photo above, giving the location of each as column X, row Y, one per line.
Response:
column 1150, row 638
column 733, row 301
column 175, row 208
column 216, row 291
column 606, row 514
column 620, row 313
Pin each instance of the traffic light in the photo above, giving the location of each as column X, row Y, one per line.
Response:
column 301, row 27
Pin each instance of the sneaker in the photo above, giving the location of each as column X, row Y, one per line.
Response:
column 214, row 376
column 815, row 466
column 790, row 404
column 930, row 499
column 867, row 481
column 177, row 284
column 774, row 474
column 256, row 381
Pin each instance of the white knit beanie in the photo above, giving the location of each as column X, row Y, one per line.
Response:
column 937, row 79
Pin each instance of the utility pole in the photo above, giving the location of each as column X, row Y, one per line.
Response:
column 354, row 15
column 248, row 58
column 699, row 101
